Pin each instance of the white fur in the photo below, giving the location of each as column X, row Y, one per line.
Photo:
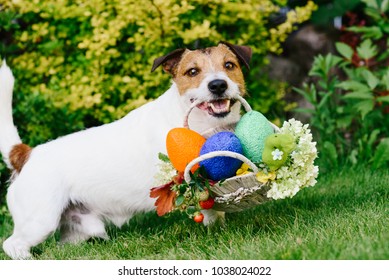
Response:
column 9, row 133
column 108, row 169
column 201, row 121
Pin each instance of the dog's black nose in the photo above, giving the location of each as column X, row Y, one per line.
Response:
column 217, row 87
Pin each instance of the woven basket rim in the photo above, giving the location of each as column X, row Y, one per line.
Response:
column 218, row 154
column 239, row 193
column 238, row 178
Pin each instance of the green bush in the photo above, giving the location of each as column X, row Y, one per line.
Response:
column 83, row 63
column 350, row 97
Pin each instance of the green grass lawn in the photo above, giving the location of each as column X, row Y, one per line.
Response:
column 345, row 216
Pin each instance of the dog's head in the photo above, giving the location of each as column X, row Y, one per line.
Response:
column 211, row 77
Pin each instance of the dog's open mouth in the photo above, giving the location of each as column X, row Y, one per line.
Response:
column 218, row 108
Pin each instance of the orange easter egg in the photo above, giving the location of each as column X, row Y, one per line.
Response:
column 183, row 145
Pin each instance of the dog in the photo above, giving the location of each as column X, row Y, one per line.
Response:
column 79, row 182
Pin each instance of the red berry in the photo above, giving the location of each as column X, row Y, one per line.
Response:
column 198, row 218
column 208, row 204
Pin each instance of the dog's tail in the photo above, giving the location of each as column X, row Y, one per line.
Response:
column 14, row 153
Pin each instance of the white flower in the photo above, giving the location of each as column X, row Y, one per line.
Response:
column 300, row 171
column 277, row 154
column 165, row 173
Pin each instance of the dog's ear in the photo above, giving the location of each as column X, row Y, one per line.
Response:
column 243, row 53
column 168, row 61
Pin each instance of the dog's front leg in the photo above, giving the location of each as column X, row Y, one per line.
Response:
column 212, row 216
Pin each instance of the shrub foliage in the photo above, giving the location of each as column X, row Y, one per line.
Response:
column 83, row 63
column 88, row 62
column 350, row 97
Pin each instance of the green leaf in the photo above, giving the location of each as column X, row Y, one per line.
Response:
column 368, row 142
column 317, row 67
column 163, row 157
column 330, row 151
column 372, row 138
column 359, row 95
column 373, row 13
column 180, row 200
column 370, row 78
column 345, row 50
column 322, row 84
column 385, row 80
column 331, row 61
column 373, row 32
column 324, row 100
column 366, row 49
column 383, row 98
column 344, row 122
column 385, row 54
column 385, row 27
column 364, row 107
column 339, row 109
column 323, row 64
column 353, row 85
column 309, row 93
column 371, row 3
column 381, row 155
column 384, row 6
column 305, row 110
column 354, row 156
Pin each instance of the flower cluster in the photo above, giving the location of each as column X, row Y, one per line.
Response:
column 166, row 171
column 300, row 171
column 174, row 193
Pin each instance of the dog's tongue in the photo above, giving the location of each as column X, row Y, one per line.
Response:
column 219, row 104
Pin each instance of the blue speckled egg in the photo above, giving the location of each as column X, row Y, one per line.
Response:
column 219, row 168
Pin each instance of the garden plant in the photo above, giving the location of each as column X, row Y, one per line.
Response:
column 350, row 93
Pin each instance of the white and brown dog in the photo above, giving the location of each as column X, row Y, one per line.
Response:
column 104, row 174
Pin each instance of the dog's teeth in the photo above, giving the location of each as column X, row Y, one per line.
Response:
column 220, row 106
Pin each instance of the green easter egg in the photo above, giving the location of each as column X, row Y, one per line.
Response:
column 252, row 130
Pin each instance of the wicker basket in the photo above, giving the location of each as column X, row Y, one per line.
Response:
column 236, row 193
column 239, row 192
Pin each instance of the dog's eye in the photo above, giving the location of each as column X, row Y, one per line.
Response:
column 229, row 65
column 192, row 72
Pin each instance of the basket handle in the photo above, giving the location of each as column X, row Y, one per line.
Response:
column 217, row 154
column 242, row 101
column 197, row 102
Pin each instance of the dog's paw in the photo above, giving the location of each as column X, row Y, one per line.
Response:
column 212, row 216
column 16, row 250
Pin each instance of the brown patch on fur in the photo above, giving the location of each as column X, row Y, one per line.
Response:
column 207, row 61
column 19, row 155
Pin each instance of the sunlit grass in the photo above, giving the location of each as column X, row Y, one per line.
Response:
column 345, row 216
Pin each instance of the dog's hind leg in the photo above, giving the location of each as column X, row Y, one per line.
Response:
column 79, row 224
column 36, row 213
